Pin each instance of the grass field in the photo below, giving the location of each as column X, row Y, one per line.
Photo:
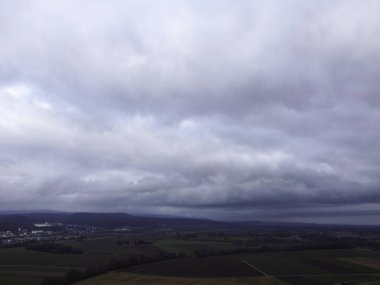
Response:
column 125, row 278
column 26, row 267
column 20, row 266
column 19, row 280
column 197, row 267
column 177, row 246
column 365, row 261
column 21, row 256
column 319, row 267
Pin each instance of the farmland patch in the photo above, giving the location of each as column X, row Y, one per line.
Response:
column 122, row 278
column 299, row 280
column 197, row 267
column 365, row 261
column 331, row 267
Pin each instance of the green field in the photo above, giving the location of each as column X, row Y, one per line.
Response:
column 124, row 278
column 189, row 246
column 207, row 267
column 314, row 267
column 26, row 267
column 21, row 256
column 19, row 280
column 19, row 266
column 306, row 262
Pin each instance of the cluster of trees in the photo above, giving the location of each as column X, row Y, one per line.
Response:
column 53, row 247
column 131, row 242
column 301, row 246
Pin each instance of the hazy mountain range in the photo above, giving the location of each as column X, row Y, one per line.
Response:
column 27, row 219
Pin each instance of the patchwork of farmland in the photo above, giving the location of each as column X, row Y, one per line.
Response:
column 314, row 267
column 26, row 267
column 317, row 267
column 19, row 266
column 365, row 261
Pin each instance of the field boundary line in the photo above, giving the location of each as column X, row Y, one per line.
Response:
column 326, row 275
column 250, row 265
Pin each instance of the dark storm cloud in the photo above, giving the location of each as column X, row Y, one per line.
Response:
column 239, row 110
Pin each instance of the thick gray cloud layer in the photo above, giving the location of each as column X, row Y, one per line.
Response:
column 230, row 110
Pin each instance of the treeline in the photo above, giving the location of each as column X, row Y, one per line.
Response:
column 305, row 246
column 52, row 247
column 370, row 244
column 115, row 263
column 267, row 248
column 133, row 242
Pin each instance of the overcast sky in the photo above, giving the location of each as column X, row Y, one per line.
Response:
column 239, row 110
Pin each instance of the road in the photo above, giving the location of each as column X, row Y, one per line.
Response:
column 250, row 265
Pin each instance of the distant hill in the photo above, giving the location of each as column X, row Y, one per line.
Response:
column 24, row 219
column 105, row 220
column 122, row 219
column 13, row 222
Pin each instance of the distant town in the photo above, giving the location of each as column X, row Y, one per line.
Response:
column 255, row 236
column 44, row 232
